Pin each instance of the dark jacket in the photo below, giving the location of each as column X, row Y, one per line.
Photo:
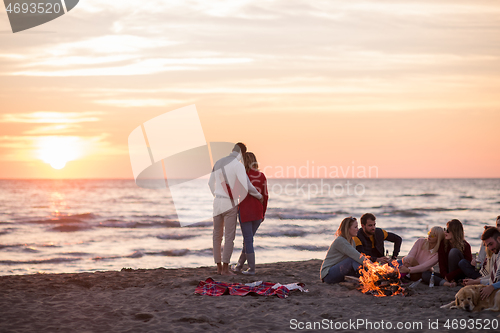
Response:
column 364, row 245
column 443, row 261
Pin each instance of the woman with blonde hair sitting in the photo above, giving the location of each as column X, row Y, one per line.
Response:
column 342, row 257
column 423, row 255
column 453, row 249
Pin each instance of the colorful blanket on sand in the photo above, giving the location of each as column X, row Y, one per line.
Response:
column 215, row 288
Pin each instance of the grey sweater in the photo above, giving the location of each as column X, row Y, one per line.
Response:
column 338, row 251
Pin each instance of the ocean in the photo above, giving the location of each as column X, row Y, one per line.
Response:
column 70, row 226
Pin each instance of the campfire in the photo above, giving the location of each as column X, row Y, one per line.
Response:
column 380, row 280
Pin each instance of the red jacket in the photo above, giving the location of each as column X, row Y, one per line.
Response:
column 250, row 208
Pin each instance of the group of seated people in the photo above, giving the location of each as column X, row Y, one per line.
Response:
column 446, row 247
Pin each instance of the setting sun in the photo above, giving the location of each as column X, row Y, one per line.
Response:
column 58, row 150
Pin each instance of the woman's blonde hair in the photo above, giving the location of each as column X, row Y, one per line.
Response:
column 456, row 229
column 250, row 161
column 439, row 232
column 345, row 225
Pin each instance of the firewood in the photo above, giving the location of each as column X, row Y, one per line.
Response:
column 351, row 278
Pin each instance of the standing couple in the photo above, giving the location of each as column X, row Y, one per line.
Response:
column 239, row 189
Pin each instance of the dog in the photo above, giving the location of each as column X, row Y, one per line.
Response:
column 469, row 299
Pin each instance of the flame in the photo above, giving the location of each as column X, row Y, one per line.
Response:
column 377, row 279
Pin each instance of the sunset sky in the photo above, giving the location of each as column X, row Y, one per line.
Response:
column 410, row 87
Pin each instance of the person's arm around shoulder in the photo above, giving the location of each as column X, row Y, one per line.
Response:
column 242, row 177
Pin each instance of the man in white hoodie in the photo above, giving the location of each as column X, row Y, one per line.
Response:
column 229, row 184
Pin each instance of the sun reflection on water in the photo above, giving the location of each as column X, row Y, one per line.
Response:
column 57, row 203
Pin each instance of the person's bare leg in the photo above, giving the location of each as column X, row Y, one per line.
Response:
column 217, row 240
column 225, row 269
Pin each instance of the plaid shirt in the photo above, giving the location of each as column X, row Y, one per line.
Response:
column 214, row 288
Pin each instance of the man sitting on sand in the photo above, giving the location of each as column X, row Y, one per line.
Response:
column 370, row 240
column 491, row 239
column 228, row 183
column 483, row 258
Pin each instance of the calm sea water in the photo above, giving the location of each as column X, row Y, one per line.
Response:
column 58, row 226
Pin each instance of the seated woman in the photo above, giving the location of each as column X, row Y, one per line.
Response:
column 342, row 258
column 453, row 249
column 423, row 255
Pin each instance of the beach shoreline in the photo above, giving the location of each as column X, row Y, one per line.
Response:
column 80, row 226
column 162, row 300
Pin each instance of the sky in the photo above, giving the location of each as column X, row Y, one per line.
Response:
column 409, row 89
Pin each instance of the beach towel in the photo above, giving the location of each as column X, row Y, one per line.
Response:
column 211, row 287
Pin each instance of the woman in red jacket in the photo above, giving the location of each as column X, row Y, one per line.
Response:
column 251, row 213
column 451, row 251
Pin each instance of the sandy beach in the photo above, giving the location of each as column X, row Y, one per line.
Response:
column 163, row 300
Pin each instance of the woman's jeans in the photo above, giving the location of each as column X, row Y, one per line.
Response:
column 337, row 272
column 468, row 269
column 454, row 258
column 248, row 229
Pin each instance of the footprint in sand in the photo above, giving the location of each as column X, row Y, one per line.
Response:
column 143, row 316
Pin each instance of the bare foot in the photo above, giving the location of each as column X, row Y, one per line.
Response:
column 450, row 284
column 219, row 269
column 225, row 269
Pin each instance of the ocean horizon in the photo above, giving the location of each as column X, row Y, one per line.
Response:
column 85, row 225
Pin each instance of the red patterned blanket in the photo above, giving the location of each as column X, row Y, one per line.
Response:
column 215, row 288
